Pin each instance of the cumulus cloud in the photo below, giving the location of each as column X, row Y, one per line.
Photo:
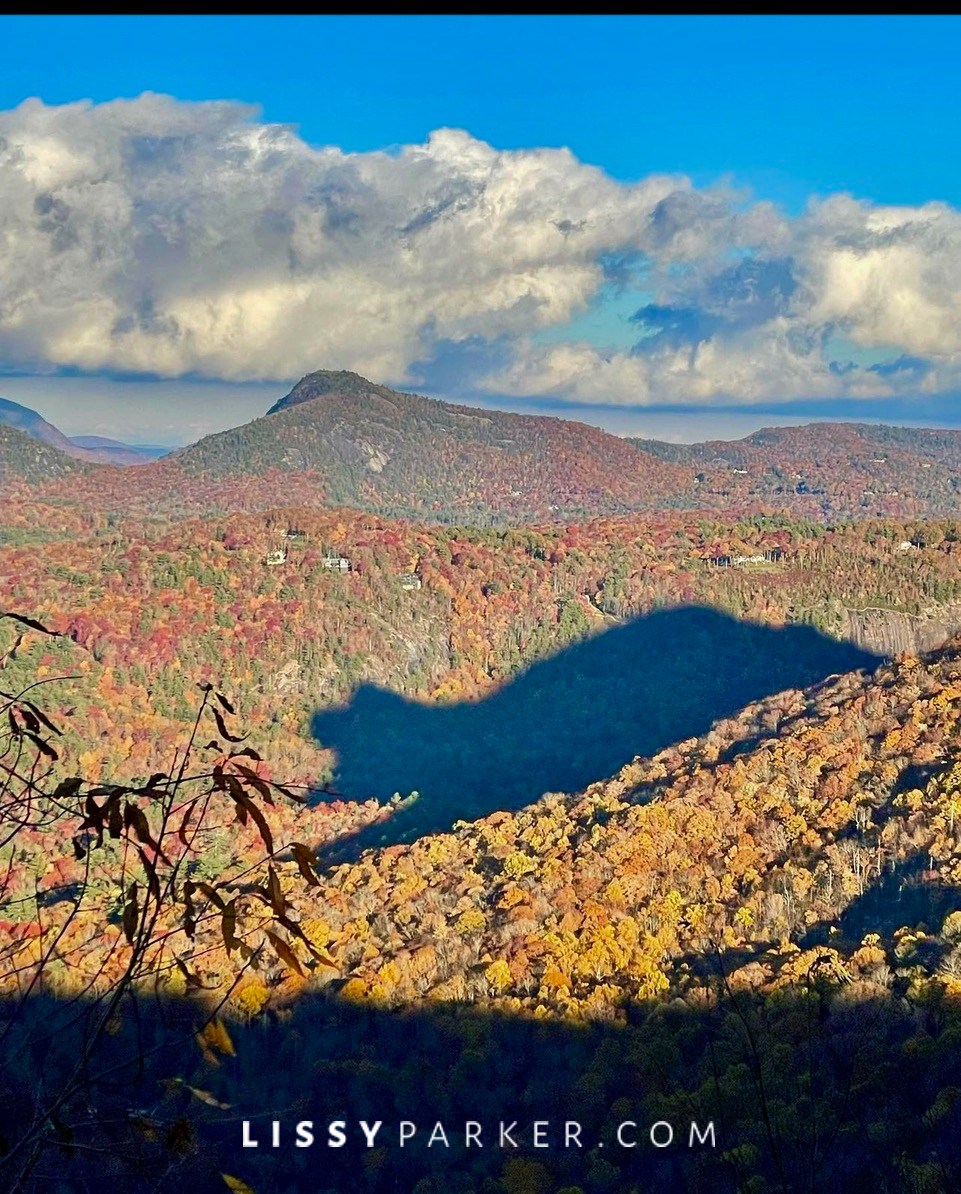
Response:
column 170, row 238
column 766, row 322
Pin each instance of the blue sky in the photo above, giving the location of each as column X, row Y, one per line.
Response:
column 755, row 216
column 788, row 105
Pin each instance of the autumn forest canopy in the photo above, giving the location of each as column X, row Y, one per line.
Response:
column 390, row 758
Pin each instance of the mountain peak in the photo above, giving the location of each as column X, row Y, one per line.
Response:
column 325, row 381
column 370, row 447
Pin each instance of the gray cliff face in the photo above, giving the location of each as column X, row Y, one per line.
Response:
column 891, row 632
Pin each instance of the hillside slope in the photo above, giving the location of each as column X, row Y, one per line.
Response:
column 338, row 440
column 812, row 816
column 814, row 826
column 765, row 916
column 25, row 459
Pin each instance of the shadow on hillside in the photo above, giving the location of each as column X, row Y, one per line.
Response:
column 747, row 1065
column 811, row 1089
column 567, row 720
column 903, row 896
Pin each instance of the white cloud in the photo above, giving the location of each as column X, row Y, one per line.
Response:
column 751, row 368
column 886, row 275
column 167, row 237
column 761, row 327
column 164, row 237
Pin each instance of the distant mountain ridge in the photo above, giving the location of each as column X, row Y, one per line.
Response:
column 371, row 447
column 339, row 440
column 837, row 439
column 835, row 470
column 96, row 449
column 148, row 451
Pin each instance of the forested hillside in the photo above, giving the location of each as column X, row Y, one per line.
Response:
column 338, row 440
column 633, row 811
column 828, row 470
column 27, row 460
column 766, row 835
column 369, row 446
column 149, row 609
column 767, row 908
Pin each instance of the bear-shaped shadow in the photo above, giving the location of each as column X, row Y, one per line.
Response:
column 567, row 720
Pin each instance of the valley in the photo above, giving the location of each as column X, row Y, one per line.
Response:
column 386, row 744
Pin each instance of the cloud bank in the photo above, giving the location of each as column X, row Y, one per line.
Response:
column 161, row 237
